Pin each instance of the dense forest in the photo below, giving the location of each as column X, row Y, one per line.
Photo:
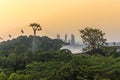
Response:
column 43, row 43
column 18, row 62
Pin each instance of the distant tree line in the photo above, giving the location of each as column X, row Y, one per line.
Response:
column 17, row 61
column 43, row 43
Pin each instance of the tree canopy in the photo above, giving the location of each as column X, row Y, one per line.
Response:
column 17, row 62
column 93, row 39
column 43, row 43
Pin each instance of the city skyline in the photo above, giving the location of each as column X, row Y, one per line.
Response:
column 60, row 16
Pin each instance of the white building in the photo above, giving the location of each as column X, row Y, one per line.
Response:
column 75, row 49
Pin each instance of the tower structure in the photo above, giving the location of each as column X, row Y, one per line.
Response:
column 36, row 27
column 66, row 41
column 72, row 40
column 58, row 36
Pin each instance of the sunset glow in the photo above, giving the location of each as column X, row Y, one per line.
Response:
column 60, row 16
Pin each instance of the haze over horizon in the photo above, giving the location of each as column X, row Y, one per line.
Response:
column 60, row 16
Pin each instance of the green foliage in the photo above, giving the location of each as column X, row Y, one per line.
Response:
column 42, row 56
column 115, row 54
column 63, row 56
column 20, row 49
column 43, row 69
column 60, row 56
column 85, row 67
column 19, row 63
column 93, row 39
column 13, row 76
column 62, row 66
column 24, row 43
column 3, row 76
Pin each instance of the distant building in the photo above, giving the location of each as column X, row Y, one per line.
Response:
column 114, row 44
column 58, row 36
column 74, row 49
column 72, row 40
column 66, row 41
column 69, row 41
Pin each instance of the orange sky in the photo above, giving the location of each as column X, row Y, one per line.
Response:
column 60, row 16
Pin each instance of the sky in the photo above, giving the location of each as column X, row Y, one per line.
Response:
column 60, row 17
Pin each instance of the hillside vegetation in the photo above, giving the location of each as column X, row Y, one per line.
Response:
column 17, row 62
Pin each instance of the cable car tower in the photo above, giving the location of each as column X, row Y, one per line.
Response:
column 36, row 27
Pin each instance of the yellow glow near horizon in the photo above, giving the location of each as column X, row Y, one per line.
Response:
column 60, row 16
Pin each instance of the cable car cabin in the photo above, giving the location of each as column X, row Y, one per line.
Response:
column 1, row 38
column 22, row 31
column 10, row 36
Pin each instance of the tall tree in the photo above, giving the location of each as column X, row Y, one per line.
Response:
column 93, row 39
column 36, row 27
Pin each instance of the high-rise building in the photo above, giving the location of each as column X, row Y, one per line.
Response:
column 69, row 41
column 58, row 36
column 72, row 40
column 66, row 38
